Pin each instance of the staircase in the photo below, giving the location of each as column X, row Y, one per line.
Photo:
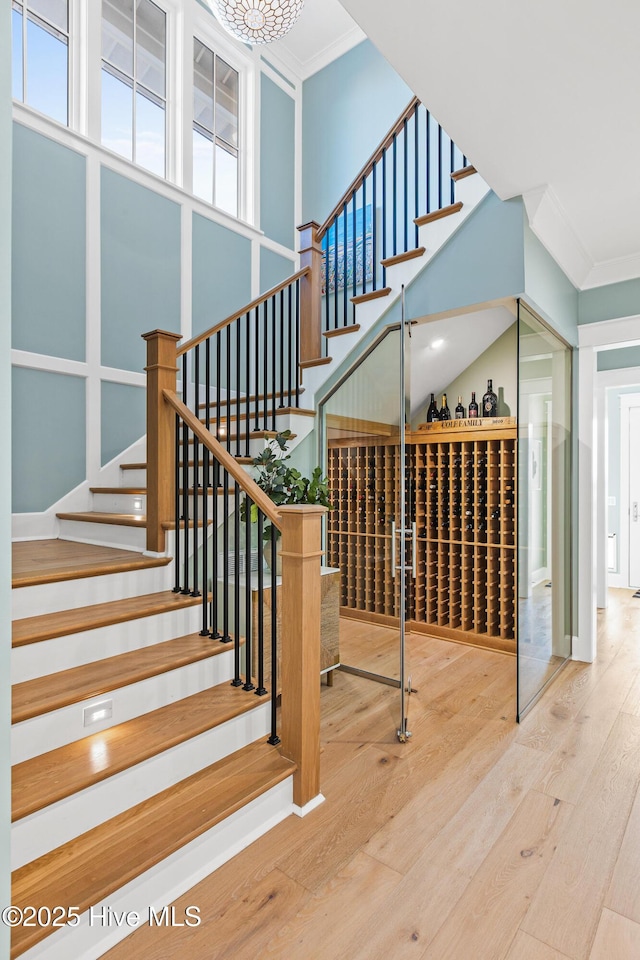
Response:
column 142, row 757
column 137, row 767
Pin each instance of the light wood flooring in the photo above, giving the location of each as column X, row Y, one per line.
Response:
column 477, row 840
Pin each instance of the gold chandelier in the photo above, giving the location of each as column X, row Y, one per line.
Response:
column 257, row 21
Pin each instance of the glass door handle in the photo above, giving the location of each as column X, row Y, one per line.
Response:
column 635, row 511
column 393, row 549
column 414, row 551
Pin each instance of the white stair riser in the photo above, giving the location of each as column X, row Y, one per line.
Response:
column 171, row 878
column 133, row 478
column 51, row 730
column 70, row 594
column 57, row 824
column 62, row 653
column 104, row 534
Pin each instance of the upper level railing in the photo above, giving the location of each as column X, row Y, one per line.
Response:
column 407, row 177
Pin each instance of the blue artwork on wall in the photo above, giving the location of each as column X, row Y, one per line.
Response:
column 347, row 254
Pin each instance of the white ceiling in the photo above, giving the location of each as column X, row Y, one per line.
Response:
column 543, row 97
column 324, row 32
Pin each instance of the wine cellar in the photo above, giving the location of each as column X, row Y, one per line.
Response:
column 461, row 509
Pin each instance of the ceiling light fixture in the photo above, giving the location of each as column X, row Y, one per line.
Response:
column 437, row 344
column 257, row 21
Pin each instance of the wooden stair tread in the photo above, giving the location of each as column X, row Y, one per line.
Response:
column 402, row 257
column 32, row 698
column 97, row 516
column 60, row 773
column 438, row 214
column 252, row 398
column 351, row 328
column 252, row 435
column 244, row 415
column 318, row 362
column 372, row 295
column 49, row 625
column 463, row 172
column 171, row 524
column 138, row 839
column 130, row 491
column 52, row 561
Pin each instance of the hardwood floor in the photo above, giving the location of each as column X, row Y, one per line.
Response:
column 477, row 839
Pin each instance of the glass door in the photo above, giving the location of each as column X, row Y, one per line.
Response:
column 544, row 506
column 370, row 535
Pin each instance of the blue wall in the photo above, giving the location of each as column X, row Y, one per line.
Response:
column 49, row 277
column 123, row 413
column 221, row 273
column 610, row 302
column 277, row 162
column 347, row 108
column 618, row 359
column 49, row 437
column 273, row 269
column 548, row 289
column 140, row 266
column 483, row 261
column 5, row 465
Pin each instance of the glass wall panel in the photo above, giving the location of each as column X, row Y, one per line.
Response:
column 544, row 505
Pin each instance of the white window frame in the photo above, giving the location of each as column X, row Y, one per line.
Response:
column 206, row 30
column 168, row 139
column 71, row 45
column 186, row 19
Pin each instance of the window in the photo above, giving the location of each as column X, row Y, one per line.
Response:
column 134, row 49
column 40, row 56
column 215, row 129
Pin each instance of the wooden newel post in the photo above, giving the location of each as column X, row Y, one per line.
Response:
column 310, row 293
column 300, row 618
column 161, row 375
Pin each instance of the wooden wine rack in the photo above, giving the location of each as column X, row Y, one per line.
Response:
column 461, row 496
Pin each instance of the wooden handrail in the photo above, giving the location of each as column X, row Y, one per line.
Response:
column 368, row 167
column 242, row 478
column 240, row 313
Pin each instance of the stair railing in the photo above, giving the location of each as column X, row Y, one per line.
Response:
column 244, row 371
column 220, row 517
column 377, row 219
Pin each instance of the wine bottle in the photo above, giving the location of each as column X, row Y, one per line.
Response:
column 473, row 407
column 445, row 413
column 460, row 410
column 489, row 402
column 432, row 412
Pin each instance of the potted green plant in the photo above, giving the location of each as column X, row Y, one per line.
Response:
column 284, row 485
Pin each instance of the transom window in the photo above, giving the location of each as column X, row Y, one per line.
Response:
column 134, row 100
column 40, row 55
column 215, row 129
